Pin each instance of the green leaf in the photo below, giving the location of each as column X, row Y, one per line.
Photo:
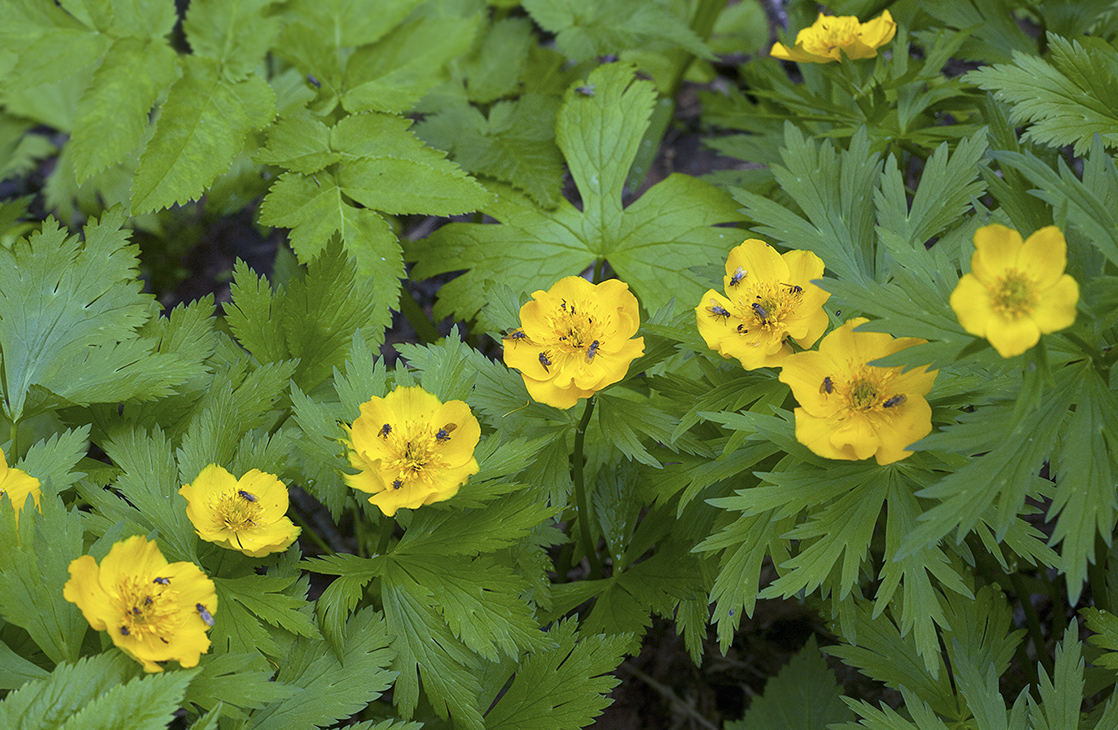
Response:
column 424, row 643
column 651, row 245
column 342, row 595
column 80, row 342
column 331, row 687
column 52, row 461
column 56, row 55
column 235, row 682
column 299, row 142
column 515, row 143
column 803, row 696
column 89, row 695
column 112, row 116
column 263, row 598
column 15, row 671
column 34, row 565
column 495, row 69
column 235, row 33
column 393, row 74
column 1105, row 627
column 1085, row 498
column 1062, row 694
column 1067, row 100
column 470, row 532
column 562, row 688
column 201, row 127
column 588, row 28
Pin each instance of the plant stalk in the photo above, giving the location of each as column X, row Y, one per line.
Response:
column 582, row 503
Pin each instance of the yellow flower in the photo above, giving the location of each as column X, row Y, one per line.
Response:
column 771, row 298
column 246, row 514
column 831, row 37
column 17, row 484
column 851, row 410
column 575, row 339
column 153, row 611
column 1017, row 290
column 411, row 449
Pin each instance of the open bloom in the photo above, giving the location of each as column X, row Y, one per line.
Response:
column 17, row 484
column 246, row 514
column 575, row 339
column 411, row 449
column 770, row 297
column 1017, row 290
column 153, row 611
column 831, row 37
column 851, row 410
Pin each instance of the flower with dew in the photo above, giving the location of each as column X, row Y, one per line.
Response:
column 1017, row 290
column 17, row 484
column 410, row 449
column 769, row 298
column 153, row 610
column 575, row 339
column 831, row 37
column 851, row 410
column 246, row 514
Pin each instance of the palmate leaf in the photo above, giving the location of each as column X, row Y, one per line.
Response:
column 803, row 696
column 331, row 687
column 651, row 244
column 201, row 127
column 235, row 34
column 562, row 688
column 69, row 315
column 588, row 28
column 33, row 568
column 235, row 682
column 1067, row 99
column 91, row 695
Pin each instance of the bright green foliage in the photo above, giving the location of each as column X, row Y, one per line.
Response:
column 92, row 694
column 561, row 688
column 803, row 696
column 650, row 244
column 79, row 344
column 1066, row 100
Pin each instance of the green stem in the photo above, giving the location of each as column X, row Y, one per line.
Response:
column 584, row 522
column 1032, row 622
column 598, row 270
column 308, row 531
column 13, row 448
column 385, row 536
column 419, row 321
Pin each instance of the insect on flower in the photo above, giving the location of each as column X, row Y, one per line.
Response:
column 247, row 496
column 592, row 350
column 761, row 313
column 516, row 337
column 162, row 581
column 739, row 274
column 718, row 310
column 444, row 433
column 897, row 400
column 384, row 431
column 828, row 386
column 545, row 361
column 207, row 617
column 795, row 288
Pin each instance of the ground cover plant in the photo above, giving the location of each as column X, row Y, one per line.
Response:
column 860, row 372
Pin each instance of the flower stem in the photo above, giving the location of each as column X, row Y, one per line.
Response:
column 308, row 531
column 1096, row 575
column 598, row 271
column 385, row 535
column 1032, row 621
column 580, row 493
column 13, row 448
column 424, row 328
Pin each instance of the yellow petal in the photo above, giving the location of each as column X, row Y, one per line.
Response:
column 546, row 392
column 804, row 372
column 879, row 31
column 85, row 591
column 905, row 424
column 997, row 249
column 971, row 302
column 1011, row 337
column 1056, row 309
column 815, row 433
column 458, row 447
column 1044, row 256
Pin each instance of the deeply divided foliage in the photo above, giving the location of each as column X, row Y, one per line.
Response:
column 685, row 491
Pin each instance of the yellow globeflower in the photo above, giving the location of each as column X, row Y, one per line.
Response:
column 831, row 37
column 153, row 611
column 17, row 484
column 770, row 298
column 850, row 410
column 1017, row 290
column 246, row 514
column 575, row 339
column 411, row 449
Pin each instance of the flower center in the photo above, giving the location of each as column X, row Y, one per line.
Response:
column 147, row 607
column 237, row 511
column 1013, row 295
column 869, row 389
column 577, row 328
column 836, row 32
column 416, row 450
column 767, row 304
